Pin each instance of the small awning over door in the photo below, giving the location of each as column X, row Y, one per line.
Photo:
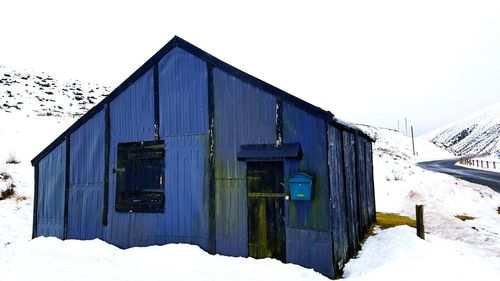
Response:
column 269, row 151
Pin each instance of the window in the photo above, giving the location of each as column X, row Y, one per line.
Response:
column 140, row 177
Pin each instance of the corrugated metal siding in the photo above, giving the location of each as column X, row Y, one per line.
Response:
column 310, row 132
column 51, row 189
column 311, row 249
column 338, row 197
column 369, row 181
column 183, row 94
column 309, row 239
column 183, row 99
column 131, row 119
column 186, row 191
column 351, row 189
column 244, row 114
column 86, row 180
column 362, row 188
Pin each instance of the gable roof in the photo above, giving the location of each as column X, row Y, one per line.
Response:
column 202, row 55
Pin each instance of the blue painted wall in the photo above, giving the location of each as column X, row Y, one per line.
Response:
column 86, row 180
column 308, row 222
column 183, row 94
column 131, row 120
column 51, row 189
column 310, row 131
column 244, row 114
column 183, row 83
column 183, row 110
column 310, row 248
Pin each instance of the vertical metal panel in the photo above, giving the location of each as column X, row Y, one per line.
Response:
column 361, row 176
column 309, row 248
column 244, row 114
column 231, row 217
column 366, row 184
column 156, row 101
column 51, row 192
column 107, row 137
column 131, row 120
column 35, row 202
column 308, row 130
column 211, row 159
column 87, row 152
column 369, row 181
column 132, row 114
column 87, row 179
column 183, row 94
column 66, row 186
column 338, row 197
column 186, row 190
column 351, row 189
column 309, row 238
column 183, row 110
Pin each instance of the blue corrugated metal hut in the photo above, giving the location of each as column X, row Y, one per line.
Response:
column 192, row 150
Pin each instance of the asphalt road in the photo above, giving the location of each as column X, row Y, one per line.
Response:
column 447, row 166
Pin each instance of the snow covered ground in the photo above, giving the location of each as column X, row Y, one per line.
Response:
column 400, row 185
column 453, row 249
column 21, row 138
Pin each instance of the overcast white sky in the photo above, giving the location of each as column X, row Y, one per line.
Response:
column 366, row 61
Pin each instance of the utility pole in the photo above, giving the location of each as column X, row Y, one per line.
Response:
column 398, row 125
column 412, row 140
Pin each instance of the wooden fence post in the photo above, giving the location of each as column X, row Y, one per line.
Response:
column 419, row 209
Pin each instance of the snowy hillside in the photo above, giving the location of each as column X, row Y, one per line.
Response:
column 34, row 109
column 41, row 94
column 453, row 249
column 477, row 134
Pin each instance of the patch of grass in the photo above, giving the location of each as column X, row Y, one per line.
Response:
column 464, row 217
column 388, row 220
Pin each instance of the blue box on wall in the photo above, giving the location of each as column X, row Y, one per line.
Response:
column 300, row 186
